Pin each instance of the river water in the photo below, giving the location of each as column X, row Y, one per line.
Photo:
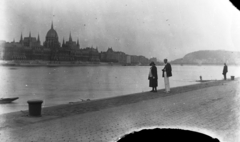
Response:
column 61, row 85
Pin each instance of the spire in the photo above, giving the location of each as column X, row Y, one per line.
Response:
column 21, row 38
column 70, row 37
column 78, row 43
column 38, row 38
column 30, row 39
column 63, row 43
column 52, row 25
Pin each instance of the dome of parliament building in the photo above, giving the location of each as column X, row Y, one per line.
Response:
column 52, row 39
column 52, row 33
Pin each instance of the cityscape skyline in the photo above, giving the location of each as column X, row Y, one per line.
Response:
column 64, row 40
column 29, row 50
column 162, row 29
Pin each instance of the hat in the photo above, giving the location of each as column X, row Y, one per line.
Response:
column 152, row 63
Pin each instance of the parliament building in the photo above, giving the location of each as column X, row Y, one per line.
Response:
column 30, row 48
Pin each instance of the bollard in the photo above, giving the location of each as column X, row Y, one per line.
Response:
column 200, row 78
column 35, row 107
column 232, row 77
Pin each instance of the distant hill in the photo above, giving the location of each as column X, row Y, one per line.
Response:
column 211, row 57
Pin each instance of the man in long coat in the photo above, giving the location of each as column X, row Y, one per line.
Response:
column 225, row 70
column 167, row 72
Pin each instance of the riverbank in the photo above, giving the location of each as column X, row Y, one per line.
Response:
column 37, row 63
column 210, row 107
column 61, row 85
column 79, row 107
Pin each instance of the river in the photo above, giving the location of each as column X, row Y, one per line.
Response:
column 61, row 85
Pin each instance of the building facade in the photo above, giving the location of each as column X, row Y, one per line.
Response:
column 30, row 48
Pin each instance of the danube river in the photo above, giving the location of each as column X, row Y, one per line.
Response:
column 61, row 85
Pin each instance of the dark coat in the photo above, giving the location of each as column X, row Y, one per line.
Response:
column 153, row 82
column 168, row 69
column 225, row 69
column 154, row 72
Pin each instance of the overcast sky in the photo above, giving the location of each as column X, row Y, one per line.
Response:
column 153, row 28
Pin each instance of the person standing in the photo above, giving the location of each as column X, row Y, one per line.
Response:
column 167, row 72
column 225, row 70
column 153, row 77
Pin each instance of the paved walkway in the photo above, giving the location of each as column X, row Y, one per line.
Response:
column 210, row 108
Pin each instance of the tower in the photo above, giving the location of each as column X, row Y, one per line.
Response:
column 63, row 43
column 52, row 25
column 21, row 39
column 78, row 43
column 70, row 37
column 38, row 40
column 30, row 39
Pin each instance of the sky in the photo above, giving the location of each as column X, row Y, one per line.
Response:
column 152, row 28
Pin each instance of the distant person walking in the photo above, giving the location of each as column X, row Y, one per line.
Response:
column 153, row 77
column 225, row 70
column 167, row 72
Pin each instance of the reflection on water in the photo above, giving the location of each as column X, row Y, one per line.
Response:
column 69, row 84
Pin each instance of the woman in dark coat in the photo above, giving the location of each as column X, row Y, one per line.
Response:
column 153, row 77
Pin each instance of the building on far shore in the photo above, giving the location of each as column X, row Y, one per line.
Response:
column 128, row 60
column 153, row 59
column 120, row 57
column 30, row 48
column 109, row 56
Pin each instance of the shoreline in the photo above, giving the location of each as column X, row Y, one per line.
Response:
column 236, row 65
column 174, row 91
column 87, row 100
column 81, row 107
column 137, row 97
column 40, row 63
